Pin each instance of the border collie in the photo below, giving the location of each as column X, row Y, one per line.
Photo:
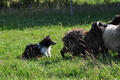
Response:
column 40, row 49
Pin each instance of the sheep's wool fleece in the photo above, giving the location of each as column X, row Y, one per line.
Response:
column 111, row 37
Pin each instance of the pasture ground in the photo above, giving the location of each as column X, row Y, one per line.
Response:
column 21, row 27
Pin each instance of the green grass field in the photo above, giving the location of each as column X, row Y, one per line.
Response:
column 21, row 27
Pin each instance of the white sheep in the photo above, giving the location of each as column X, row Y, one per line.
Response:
column 111, row 37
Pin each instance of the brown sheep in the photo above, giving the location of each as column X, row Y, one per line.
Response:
column 79, row 41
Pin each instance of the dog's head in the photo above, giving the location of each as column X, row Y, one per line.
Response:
column 47, row 42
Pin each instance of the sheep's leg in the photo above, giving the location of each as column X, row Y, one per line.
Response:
column 105, row 52
column 78, row 52
column 63, row 51
column 74, row 54
column 118, row 50
column 118, row 55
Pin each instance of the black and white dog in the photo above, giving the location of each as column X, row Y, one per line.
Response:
column 38, row 50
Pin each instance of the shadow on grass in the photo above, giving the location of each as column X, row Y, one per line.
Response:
column 42, row 60
column 104, row 59
column 32, row 59
column 83, row 14
column 98, row 60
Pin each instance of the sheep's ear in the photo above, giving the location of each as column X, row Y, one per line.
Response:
column 48, row 36
column 93, row 25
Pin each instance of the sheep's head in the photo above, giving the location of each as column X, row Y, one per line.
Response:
column 98, row 26
column 115, row 21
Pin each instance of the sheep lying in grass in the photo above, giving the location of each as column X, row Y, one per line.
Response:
column 111, row 37
column 79, row 41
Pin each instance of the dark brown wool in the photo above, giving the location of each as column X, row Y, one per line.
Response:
column 80, row 41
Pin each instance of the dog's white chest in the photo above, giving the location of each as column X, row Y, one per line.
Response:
column 44, row 49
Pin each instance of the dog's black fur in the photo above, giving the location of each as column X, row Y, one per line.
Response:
column 34, row 50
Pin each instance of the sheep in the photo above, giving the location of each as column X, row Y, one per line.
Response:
column 79, row 41
column 70, row 40
column 111, row 37
column 115, row 21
